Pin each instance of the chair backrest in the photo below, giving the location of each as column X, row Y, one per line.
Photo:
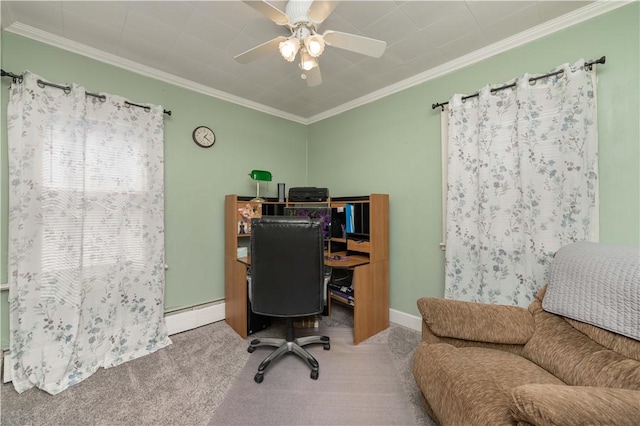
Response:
column 287, row 266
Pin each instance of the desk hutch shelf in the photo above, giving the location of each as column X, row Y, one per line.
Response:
column 365, row 254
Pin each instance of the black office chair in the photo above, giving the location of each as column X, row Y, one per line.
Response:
column 288, row 280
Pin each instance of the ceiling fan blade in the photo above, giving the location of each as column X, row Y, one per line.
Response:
column 355, row 43
column 314, row 78
column 269, row 10
column 320, row 10
column 265, row 49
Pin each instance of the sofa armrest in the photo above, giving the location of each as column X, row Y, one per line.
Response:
column 574, row 405
column 502, row 324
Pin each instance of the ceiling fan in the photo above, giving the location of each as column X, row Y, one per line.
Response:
column 302, row 17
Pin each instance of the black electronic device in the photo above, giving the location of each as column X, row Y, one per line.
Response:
column 338, row 220
column 308, row 194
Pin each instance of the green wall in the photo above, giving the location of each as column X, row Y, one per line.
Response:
column 197, row 179
column 393, row 146
column 389, row 146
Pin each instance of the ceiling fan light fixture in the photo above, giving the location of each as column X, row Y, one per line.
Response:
column 301, row 18
column 314, row 44
column 307, row 62
column 289, row 48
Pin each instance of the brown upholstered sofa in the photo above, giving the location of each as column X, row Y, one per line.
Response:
column 495, row 364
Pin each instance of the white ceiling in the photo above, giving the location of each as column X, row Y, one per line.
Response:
column 195, row 41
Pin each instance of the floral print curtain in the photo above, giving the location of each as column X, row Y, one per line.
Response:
column 86, row 233
column 522, row 182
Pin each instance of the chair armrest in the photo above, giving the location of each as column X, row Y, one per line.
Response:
column 479, row 322
column 249, row 289
column 327, row 277
column 574, row 405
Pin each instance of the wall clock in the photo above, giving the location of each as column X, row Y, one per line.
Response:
column 204, row 136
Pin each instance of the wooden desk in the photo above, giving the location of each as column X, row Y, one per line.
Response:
column 345, row 262
column 371, row 307
column 369, row 261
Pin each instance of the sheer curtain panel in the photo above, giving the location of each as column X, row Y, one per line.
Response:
column 86, row 233
column 522, row 182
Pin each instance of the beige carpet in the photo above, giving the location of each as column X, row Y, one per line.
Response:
column 185, row 383
column 181, row 384
column 357, row 385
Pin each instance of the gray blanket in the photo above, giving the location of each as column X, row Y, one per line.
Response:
column 598, row 284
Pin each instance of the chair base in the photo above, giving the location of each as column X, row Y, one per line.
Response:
column 284, row 346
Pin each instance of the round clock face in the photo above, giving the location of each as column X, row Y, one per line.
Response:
column 204, row 136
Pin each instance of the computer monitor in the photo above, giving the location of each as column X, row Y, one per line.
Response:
column 322, row 213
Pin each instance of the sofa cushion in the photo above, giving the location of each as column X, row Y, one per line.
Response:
column 575, row 358
column 472, row 385
column 616, row 342
column 574, row 405
column 501, row 324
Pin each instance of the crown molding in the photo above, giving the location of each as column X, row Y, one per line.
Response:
column 580, row 15
column 565, row 21
column 129, row 65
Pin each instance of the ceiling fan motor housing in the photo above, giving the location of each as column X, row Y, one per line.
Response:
column 298, row 11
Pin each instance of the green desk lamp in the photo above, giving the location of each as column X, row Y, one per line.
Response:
column 260, row 175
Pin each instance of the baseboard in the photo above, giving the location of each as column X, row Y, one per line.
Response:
column 6, row 372
column 199, row 316
column 189, row 319
column 410, row 321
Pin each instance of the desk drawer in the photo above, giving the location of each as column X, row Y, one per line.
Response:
column 361, row 246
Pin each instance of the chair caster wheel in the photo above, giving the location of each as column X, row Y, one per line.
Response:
column 258, row 377
column 250, row 349
column 326, row 346
column 314, row 374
